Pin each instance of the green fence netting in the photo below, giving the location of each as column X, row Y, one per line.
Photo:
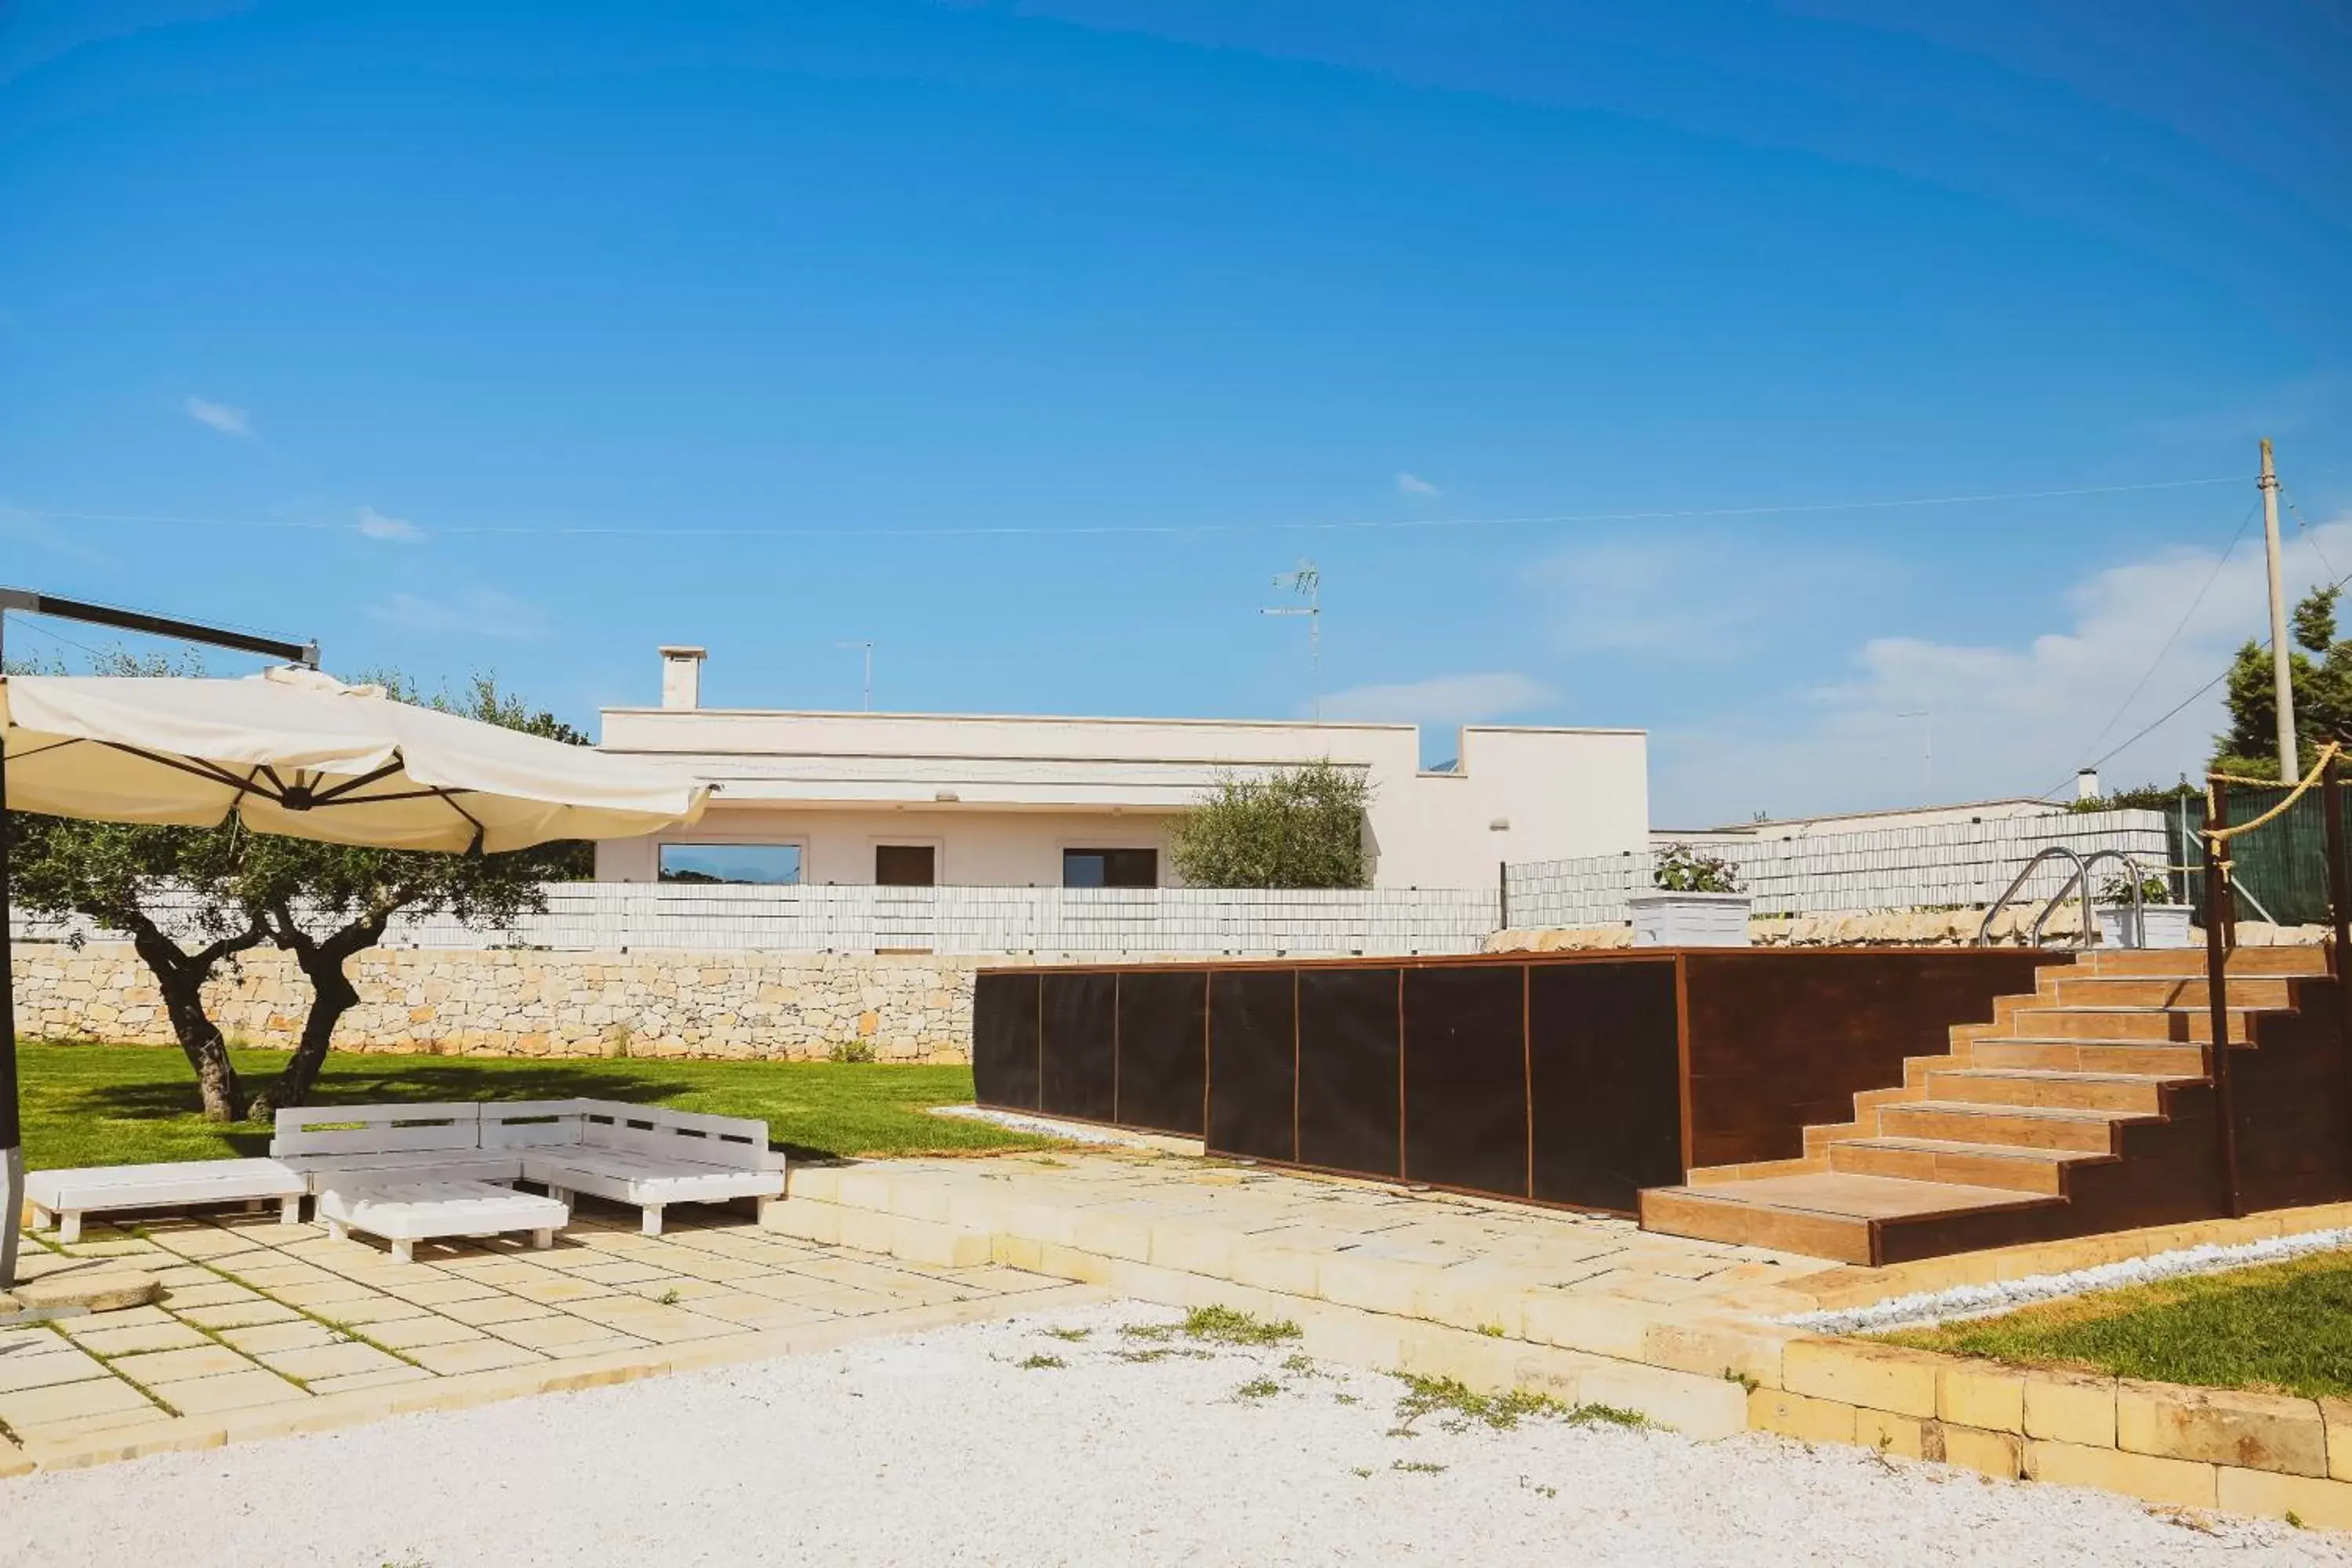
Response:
column 2280, row 868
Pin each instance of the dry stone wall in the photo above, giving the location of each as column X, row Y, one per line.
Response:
column 738, row 1006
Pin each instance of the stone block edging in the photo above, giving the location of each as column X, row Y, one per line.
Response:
column 2163, row 1443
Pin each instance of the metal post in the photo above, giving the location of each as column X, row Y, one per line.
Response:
column 1502, row 895
column 2218, row 803
column 2339, row 911
column 2216, row 999
column 12, row 1134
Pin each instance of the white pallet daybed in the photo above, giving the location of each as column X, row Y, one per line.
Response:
column 406, row 1212
column 62, row 1197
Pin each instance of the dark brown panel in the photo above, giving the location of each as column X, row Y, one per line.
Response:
column 1252, row 1064
column 1606, row 1081
column 1348, row 1070
column 1466, row 1103
column 2292, row 1107
column 1163, row 1049
column 1781, row 1040
column 1005, row 1038
column 1075, row 1072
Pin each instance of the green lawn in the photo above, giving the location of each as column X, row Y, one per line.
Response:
column 2284, row 1328
column 115, row 1105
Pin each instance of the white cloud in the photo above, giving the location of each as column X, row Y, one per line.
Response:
column 375, row 525
column 482, row 612
column 1444, row 699
column 219, row 415
column 1687, row 597
column 1414, row 485
column 2001, row 720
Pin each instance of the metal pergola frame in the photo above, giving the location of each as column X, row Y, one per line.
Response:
column 11, row 1136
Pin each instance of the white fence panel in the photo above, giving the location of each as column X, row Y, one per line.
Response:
column 1077, row 921
column 1954, row 864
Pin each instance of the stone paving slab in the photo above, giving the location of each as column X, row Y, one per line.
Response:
column 263, row 1327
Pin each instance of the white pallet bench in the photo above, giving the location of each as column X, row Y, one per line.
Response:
column 62, row 1197
column 404, row 1213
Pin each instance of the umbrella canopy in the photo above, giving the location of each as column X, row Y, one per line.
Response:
column 295, row 751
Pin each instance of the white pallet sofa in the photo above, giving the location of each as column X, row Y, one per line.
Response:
column 637, row 1154
column 436, row 1139
column 62, row 1197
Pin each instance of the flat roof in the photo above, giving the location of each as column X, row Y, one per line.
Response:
column 1758, row 826
column 658, row 711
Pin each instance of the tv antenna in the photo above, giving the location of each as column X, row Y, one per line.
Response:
column 1307, row 582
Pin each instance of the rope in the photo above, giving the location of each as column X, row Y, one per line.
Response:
column 2217, row 837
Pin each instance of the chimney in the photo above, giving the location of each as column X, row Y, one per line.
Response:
column 682, row 676
column 2086, row 784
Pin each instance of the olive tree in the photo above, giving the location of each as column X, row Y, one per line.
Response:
column 1293, row 827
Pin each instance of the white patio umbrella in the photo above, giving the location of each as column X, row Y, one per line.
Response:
column 296, row 751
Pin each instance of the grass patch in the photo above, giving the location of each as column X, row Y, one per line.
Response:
column 1461, row 1405
column 1069, row 1336
column 121, row 1105
column 2282, row 1328
column 1041, row 1363
column 1258, row 1388
column 1225, row 1326
column 1416, row 1467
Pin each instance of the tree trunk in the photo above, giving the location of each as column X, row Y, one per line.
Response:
column 331, row 996
column 180, row 976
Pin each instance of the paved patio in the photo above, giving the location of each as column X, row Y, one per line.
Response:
column 265, row 1327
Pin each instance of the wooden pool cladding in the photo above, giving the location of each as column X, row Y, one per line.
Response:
column 1572, row 1078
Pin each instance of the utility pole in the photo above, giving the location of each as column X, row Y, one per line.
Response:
column 1308, row 582
column 869, row 669
column 2281, row 664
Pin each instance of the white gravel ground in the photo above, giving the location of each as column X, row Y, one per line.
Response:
column 943, row 1448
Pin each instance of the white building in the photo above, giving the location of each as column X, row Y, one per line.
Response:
column 975, row 800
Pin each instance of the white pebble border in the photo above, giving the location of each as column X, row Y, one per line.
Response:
column 1001, row 1443
column 1928, row 1308
column 1069, row 1132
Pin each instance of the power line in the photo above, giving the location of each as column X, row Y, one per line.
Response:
column 2212, row 577
column 1086, row 530
column 2305, row 529
column 2143, row 732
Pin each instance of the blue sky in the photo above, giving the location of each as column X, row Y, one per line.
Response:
column 526, row 337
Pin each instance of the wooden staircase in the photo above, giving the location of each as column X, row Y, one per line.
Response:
column 2087, row 1106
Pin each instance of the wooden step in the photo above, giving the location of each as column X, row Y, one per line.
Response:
column 2076, row 990
column 2065, row 1090
column 2189, row 962
column 2172, row 1059
column 2124, row 1023
column 2010, row 1126
column 1831, row 1215
column 2011, row 1170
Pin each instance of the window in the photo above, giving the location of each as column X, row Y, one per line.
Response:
column 1110, row 868
column 773, row 864
column 905, row 865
